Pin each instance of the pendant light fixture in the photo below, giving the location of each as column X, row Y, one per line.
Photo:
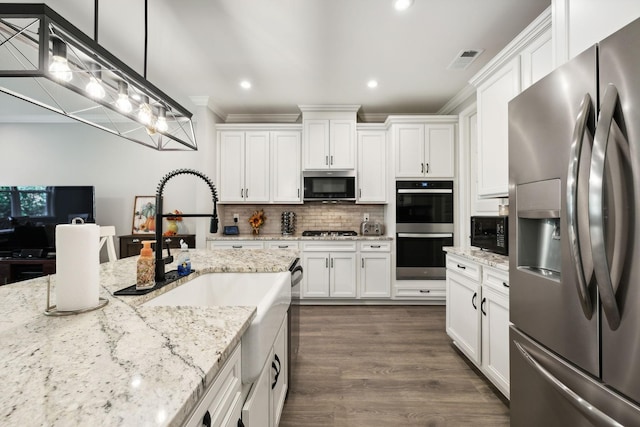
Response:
column 47, row 61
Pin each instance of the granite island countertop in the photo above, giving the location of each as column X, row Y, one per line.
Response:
column 491, row 259
column 124, row 364
column 295, row 237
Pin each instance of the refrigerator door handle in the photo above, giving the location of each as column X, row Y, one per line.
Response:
column 596, row 203
column 595, row 415
column 572, row 201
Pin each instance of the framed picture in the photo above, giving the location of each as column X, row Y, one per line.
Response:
column 144, row 215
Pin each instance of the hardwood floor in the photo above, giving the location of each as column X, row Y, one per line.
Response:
column 385, row 366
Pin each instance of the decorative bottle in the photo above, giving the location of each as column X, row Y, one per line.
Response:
column 184, row 262
column 146, row 267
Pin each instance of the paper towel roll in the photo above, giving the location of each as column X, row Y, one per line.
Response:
column 77, row 266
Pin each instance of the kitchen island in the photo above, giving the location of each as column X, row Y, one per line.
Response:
column 125, row 364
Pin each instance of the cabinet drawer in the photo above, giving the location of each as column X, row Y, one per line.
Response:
column 222, row 396
column 239, row 244
column 329, row 246
column 465, row 267
column 496, row 279
column 282, row 245
column 421, row 292
column 375, row 246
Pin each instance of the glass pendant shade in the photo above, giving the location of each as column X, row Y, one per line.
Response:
column 161, row 123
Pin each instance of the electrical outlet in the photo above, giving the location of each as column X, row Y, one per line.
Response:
column 365, row 217
column 236, row 217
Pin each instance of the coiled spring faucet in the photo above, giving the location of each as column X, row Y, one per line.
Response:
column 213, row 228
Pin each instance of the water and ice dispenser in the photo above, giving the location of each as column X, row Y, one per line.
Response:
column 538, row 217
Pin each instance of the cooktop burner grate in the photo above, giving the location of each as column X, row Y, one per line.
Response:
column 329, row 233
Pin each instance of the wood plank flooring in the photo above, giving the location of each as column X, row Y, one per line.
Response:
column 385, row 366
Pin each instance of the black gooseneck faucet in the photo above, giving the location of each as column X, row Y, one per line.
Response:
column 213, row 228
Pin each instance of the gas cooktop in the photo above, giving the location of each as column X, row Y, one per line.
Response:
column 329, row 233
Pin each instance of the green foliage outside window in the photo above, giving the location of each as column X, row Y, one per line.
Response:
column 23, row 201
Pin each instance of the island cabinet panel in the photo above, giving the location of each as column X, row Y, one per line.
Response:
column 219, row 406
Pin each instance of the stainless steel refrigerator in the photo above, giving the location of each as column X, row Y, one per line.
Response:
column 574, row 190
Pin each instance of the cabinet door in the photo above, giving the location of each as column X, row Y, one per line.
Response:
column 315, row 282
column 342, row 144
column 409, row 147
column 493, row 123
column 343, row 275
column 256, row 171
column 316, row 144
column 279, row 374
column 372, row 167
column 495, row 338
column 463, row 314
column 537, row 59
column 439, row 147
column 231, row 171
column 375, row 275
column 256, row 411
column 286, row 172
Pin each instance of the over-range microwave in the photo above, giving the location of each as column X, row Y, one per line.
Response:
column 329, row 186
column 490, row 233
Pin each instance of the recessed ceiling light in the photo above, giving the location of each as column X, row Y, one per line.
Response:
column 402, row 4
column 245, row 84
column 372, row 84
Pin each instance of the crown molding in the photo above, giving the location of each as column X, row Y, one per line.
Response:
column 426, row 119
column 458, row 99
column 330, row 108
column 373, row 117
column 259, row 126
column 541, row 24
column 262, row 118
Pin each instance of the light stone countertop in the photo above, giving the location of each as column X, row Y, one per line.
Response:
column 124, row 364
column 500, row 262
column 296, row 237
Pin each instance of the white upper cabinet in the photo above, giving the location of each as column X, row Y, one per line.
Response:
column 372, row 166
column 259, row 165
column 528, row 58
column 286, row 171
column 424, row 150
column 329, row 137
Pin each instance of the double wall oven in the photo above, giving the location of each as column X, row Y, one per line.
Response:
column 424, row 224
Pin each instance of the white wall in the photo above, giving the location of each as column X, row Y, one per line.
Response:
column 78, row 154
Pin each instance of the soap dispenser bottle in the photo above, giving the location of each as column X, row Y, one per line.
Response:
column 184, row 262
column 146, row 271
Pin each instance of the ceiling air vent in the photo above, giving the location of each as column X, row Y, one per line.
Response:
column 464, row 58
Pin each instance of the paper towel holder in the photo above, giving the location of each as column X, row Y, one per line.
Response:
column 51, row 310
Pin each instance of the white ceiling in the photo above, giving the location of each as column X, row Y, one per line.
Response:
column 299, row 52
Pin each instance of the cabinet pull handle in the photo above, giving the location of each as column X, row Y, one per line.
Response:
column 246, row 192
column 240, row 423
column 362, row 262
column 473, row 300
column 242, row 192
column 298, row 193
column 326, row 262
column 425, row 291
column 421, row 167
column 283, row 246
column 375, row 246
column 482, row 306
column 236, row 246
column 359, row 192
column 462, row 267
column 331, row 262
column 206, row 420
column 276, row 368
column 331, row 159
column 505, row 284
column 427, row 168
column 326, row 160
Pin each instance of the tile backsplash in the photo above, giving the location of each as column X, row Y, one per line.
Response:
column 309, row 216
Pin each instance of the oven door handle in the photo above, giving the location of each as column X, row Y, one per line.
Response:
column 421, row 191
column 424, row 235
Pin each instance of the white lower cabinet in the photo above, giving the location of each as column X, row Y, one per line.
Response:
column 329, row 269
column 477, row 316
column 264, row 404
column 222, row 402
column 235, row 244
column 375, row 270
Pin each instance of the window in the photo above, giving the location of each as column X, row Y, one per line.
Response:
column 31, row 201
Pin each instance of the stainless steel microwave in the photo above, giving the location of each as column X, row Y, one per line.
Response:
column 490, row 233
column 329, row 186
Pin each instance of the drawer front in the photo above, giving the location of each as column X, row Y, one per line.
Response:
column 496, row 279
column 329, row 246
column 282, row 245
column 421, row 292
column 375, row 246
column 239, row 244
column 465, row 267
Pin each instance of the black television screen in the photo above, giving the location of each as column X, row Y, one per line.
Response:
column 29, row 214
